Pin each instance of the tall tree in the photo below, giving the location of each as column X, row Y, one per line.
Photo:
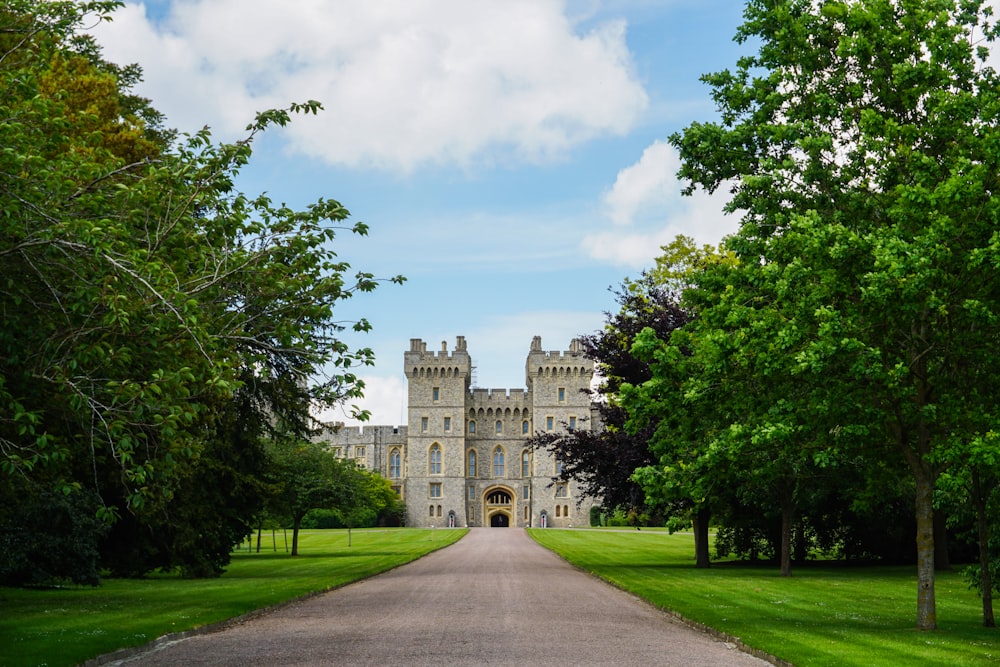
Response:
column 859, row 144
column 156, row 320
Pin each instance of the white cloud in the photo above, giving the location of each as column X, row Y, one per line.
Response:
column 647, row 186
column 385, row 398
column 404, row 82
column 647, row 210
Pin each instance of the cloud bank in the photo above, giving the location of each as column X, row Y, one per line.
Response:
column 405, row 83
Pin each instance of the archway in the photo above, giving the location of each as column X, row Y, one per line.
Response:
column 500, row 507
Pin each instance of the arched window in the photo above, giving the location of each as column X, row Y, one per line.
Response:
column 498, row 463
column 472, row 427
column 471, row 472
column 525, row 464
column 435, row 459
column 499, row 426
column 395, row 464
column 524, row 427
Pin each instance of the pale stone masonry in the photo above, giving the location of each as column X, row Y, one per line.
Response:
column 462, row 459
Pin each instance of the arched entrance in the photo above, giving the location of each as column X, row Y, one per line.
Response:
column 499, row 507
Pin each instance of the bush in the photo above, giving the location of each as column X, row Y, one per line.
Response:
column 49, row 538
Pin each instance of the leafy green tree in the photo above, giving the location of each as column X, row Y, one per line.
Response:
column 157, row 321
column 308, row 476
column 859, row 146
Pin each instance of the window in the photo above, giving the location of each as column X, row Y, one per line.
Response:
column 439, row 510
column 561, row 490
column 562, row 394
column 472, row 427
column 359, row 452
column 471, row 468
column 423, row 423
column 435, row 490
column 472, row 515
column 498, row 462
column 549, row 422
column 525, row 491
column 447, row 423
column 499, row 426
column 524, row 427
column 525, row 463
column 430, row 511
column 395, row 464
column 572, row 423
column 472, row 492
column 436, row 393
column 398, row 490
column 435, row 459
column 560, row 466
column 558, row 510
column 526, row 515
column 338, row 452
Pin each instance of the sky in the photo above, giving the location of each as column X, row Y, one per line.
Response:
column 510, row 157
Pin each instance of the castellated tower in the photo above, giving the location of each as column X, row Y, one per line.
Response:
column 463, row 458
column 438, row 389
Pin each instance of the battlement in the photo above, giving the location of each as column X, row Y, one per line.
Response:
column 419, row 361
column 338, row 434
column 487, row 397
column 571, row 362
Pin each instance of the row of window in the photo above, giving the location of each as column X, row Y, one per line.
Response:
column 434, row 462
column 498, row 426
column 436, row 394
column 435, row 490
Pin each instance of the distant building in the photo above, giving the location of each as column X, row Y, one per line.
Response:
column 463, row 459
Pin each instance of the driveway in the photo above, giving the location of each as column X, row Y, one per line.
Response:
column 493, row 598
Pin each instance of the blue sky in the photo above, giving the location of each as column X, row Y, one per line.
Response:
column 509, row 156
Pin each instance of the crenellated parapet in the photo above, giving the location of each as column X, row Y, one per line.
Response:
column 571, row 364
column 419, row 363
column 494, row 398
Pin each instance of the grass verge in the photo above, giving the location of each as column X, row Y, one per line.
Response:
column 67, row 626
column 824, row 615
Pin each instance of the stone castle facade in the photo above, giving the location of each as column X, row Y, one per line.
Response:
column 463, row 458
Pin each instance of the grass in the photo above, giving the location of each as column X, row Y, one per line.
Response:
column 67, row 626
column 826, row 614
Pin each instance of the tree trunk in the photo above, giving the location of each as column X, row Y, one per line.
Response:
column 986, row 579
column 702, row 557
column 801, row 551
column 926, row 602
column 260, row 530
column 787, row 516
column 296, row 522
column 941, row 561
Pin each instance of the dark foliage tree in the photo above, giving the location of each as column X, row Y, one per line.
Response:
column 603, row 458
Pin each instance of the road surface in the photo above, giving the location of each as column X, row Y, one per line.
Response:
column 493, row 598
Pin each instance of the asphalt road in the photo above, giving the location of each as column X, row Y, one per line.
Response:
column 493, row 598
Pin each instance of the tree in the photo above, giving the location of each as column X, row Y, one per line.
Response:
column 157, row 321
column 308, row 476
column 603, row 458
column 859, row 145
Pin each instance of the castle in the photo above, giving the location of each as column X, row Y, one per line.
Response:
column 463, row 458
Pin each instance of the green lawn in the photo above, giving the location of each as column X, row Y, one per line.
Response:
column 824, row 614
column 70, row 625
